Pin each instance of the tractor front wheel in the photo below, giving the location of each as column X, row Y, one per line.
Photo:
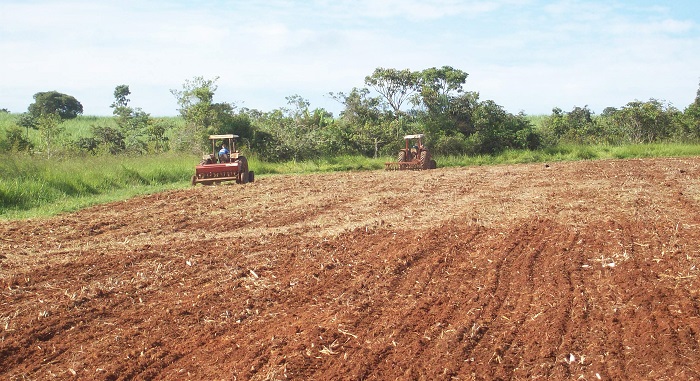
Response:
column 402, row 157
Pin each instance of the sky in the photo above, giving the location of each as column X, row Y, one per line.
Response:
column 526, row 55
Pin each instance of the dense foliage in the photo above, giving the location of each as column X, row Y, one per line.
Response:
column 635, row 123
column 372, row 122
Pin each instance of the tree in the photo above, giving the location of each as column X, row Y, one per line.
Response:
column 27, row 121
column 364, row 122
column 439, row 87
column 49, row 126
column 203, row 117
column 195, row 100
column 396, row 86
column 156, row 130
column 360, row 108
column 133, row 124
column 47, row 113
column 120, row 107
column 447, row 112
column 53, row 102
column 444, row 81
column 461, row 110
column 120, row 96
column 690, row 120
column 197, row 108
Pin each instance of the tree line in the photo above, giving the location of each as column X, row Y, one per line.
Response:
column 373, row 119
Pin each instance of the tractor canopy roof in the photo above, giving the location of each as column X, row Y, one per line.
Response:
column 416, row 136
column 225, row 136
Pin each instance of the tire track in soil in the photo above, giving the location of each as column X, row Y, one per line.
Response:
column 533, row 251
column 585, row 355
column 401, row 275
column 567, row 282
column 622, row 305
column 614, row 339
column 510, row 303
column 428, row 276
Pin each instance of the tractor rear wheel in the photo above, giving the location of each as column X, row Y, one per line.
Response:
column 251, row 176
column 425, row 160
column 242, row 170
column 433, row 164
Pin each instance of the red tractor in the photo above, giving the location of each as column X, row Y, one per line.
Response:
column 414, row 156
column 223, row 165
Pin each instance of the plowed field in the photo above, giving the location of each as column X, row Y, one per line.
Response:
column 578, row 271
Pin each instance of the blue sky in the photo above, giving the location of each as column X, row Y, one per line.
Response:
column 526, row 55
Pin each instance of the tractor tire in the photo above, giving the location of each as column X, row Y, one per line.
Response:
column 425, row 160
column 251, row 176
column 242, row 170
column 433, row 164
column 402, row 157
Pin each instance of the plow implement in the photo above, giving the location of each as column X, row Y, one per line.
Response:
column 403, row 166
column 208, row 174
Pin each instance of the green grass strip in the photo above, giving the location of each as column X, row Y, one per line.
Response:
column 33, row 186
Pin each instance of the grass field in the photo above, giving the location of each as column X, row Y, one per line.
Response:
column 75, row 128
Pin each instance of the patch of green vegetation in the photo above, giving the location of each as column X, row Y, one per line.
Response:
column 654, row 150
column 537, row 120
column 32, row 186
column 574, row 152
column 8, row 119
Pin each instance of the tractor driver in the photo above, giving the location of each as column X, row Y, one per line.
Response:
column 223, row 153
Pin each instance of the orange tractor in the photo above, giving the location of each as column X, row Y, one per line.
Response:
column 414, row 156
column 223, row 165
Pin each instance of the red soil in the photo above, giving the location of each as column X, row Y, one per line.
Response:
column 583, row 270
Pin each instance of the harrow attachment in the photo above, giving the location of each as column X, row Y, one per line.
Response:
column 403, row 166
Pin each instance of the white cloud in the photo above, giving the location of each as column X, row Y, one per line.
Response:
column 422, row 10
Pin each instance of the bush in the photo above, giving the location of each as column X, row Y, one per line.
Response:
column 449, row 145
column 15, row 140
